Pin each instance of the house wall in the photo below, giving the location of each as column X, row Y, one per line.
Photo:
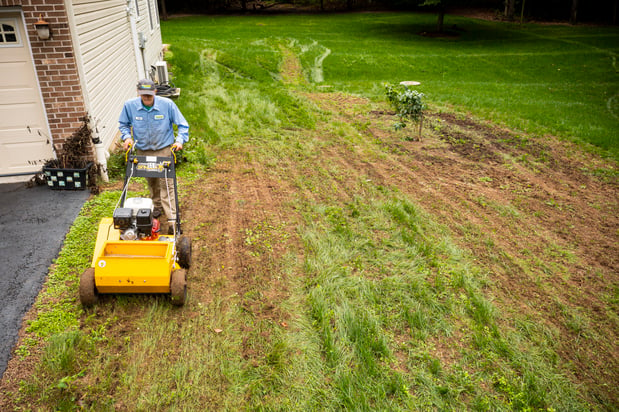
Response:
column 56, row 66
column 152, row 31
column 108, row 62
column 106, row 40
column 93, row 60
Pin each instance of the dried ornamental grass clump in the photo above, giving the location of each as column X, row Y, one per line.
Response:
column 74, row 154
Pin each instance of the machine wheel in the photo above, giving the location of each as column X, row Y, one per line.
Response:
column 178, row 287
column 88, row 290
column 184, row 252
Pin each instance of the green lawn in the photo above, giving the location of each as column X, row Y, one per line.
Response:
column 536, row 78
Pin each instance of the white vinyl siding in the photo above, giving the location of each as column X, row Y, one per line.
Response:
column 107, row 54
column 153, row 36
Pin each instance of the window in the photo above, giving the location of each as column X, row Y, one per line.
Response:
column 8, row 34
column 156, row 6
column 150, row 14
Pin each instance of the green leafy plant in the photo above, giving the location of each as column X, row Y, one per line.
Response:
column 116, row 165
column 408, row 105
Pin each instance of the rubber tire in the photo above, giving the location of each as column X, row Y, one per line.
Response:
column 184, row 252
column 88, row 290
column 178, row 287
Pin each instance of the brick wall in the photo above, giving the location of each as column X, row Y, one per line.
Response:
column 56, row 67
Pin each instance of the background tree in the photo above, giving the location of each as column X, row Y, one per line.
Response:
column 163, row 11
column 510, row 9
column 440, row 7
column 603, row 11
column 574, row 12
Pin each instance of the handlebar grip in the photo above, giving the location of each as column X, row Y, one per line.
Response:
column 128, row 151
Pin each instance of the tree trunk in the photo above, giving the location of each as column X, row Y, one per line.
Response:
column 574, row 12
column 441, row 17
column 510, row 9
column 164, row 11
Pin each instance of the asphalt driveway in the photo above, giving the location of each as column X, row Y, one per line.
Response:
column 33, row 225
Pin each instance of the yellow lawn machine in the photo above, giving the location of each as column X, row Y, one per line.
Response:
column 130, row 255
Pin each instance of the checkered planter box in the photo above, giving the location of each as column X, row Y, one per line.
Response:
column 67, row 179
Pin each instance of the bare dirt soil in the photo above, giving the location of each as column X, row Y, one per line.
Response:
column 538, row 214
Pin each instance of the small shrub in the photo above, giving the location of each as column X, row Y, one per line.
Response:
column 408, row 104
column 116, row 165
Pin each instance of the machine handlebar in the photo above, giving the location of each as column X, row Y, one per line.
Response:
column 131, row 147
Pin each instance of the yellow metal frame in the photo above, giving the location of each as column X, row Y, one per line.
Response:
column 131, row 266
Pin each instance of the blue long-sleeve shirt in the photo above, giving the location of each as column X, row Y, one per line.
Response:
column 153, row 129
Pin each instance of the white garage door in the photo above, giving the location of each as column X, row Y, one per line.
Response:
column 24, row 133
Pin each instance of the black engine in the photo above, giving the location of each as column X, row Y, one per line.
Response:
column 134, row 222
